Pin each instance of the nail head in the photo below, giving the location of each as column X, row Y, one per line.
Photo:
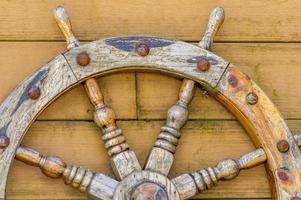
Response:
column 4, row 141
column 252, row 98
column 283, row 146
column 203, row 65
column 142, row 49
column 83, row 59
column 34, row 92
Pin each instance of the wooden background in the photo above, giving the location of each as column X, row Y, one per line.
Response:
column 261, row 37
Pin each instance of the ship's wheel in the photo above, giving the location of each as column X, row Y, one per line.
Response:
column 197, row 66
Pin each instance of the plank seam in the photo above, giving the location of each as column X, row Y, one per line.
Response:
column 63, row 54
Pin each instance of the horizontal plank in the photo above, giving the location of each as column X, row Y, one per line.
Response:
column 274, row 67
column 186, row 20
column 119, row 92
column 19, row 59
column 261, row 61
column 79, row 143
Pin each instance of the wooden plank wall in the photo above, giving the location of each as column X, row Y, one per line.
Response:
column 261, row 37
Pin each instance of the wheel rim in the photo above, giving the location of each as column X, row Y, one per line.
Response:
column 222, row 80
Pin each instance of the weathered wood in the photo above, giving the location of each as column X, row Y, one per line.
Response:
column 215, row 21
column 166, row 55
column 161, row 157
column 266, row 127
column 203, row 144
column 62, row 20
column 151, row 179
column 123, row 160
column 74, row 104
column 120, row 47
column 189, row 185
column 18, row 111
column 31, row 20
column 260, row 61
column 123, row 47
column 98, row 186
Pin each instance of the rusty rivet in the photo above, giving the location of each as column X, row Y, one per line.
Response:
column 203, row 65
column 232, row 80
column 252, row 98
column 142, row 49
column 283, row 146
column 4, row 141
column 83, row 59
column 34, row 92
column 282, row 175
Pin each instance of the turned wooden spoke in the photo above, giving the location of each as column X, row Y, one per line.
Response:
column 162, row 154
column 220, row 78
column 96, row 185
column 190, row 184
column 123, row 160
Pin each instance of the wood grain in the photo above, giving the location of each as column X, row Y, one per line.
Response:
column 261, row 61
column 195, row 152
column 275, row 67
column 186, row 20
column 265, row 126
column 18, row 111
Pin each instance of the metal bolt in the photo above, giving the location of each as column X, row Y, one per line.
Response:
column 203, row 65
column 4, row 141
column 142, row 49
column 252, row 98
column 232, row 80
column 83, row 59
column 34, row 92
column 283, row 146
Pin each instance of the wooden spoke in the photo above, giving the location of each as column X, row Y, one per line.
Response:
column 96, row 185
column 62, row 19
column 162, row 154
column 189, row 185
column 234, row 89
column 123, row 160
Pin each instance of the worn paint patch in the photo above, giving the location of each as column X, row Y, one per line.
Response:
column 3, row 130
column 195, row 59
column 36, row 79
column 129, row 43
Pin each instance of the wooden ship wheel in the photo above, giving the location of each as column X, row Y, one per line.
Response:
column 277, row 148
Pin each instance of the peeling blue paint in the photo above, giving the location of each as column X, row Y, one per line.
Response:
column 128, row 44
column 197, row 58
column 38, row 78
column 4, row 128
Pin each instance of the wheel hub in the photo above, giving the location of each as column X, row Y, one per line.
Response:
column 146, row 185
column 149, row 191
column 196, row 65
